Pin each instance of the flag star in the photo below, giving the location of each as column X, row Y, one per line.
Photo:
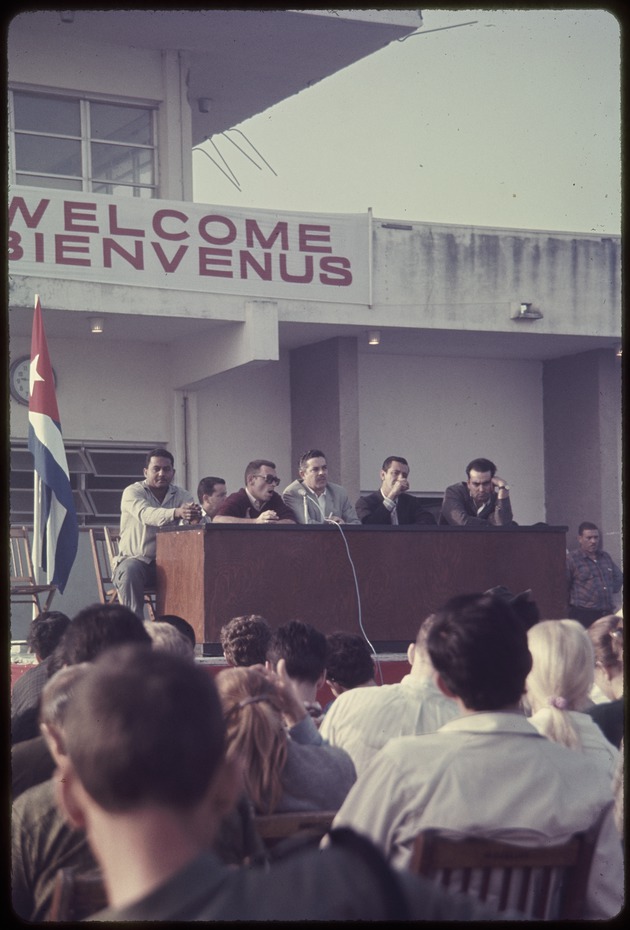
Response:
column 34, row 375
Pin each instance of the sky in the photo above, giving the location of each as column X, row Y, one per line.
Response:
column 511, row 121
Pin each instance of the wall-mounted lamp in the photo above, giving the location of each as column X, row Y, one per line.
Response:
column 526, row 311
column 619, row 352
column 96, row 324
column 66, row 16
column 374, row 337
column 204, row 104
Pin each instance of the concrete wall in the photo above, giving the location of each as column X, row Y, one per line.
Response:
column 582, row 416
column 464, row 278
column 325, row 407
column 111, row 391
column 244, row 414
column 439, row 413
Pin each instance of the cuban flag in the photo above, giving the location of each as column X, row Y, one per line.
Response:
column 55, row 526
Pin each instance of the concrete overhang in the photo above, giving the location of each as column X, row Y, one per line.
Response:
column 273, row 54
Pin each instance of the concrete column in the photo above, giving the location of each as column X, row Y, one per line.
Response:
column 325, row 408
column 582, row 434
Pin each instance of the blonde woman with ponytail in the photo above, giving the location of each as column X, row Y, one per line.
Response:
column 558, row 688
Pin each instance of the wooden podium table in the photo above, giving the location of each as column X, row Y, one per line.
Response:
column 387, row 579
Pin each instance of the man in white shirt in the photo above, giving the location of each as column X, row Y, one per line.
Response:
column 362, row 720
column 144, row 507
column 488, row 772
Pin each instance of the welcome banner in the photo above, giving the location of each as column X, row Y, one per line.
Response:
column 189, row 246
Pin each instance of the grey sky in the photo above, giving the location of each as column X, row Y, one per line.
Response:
column 513, row 121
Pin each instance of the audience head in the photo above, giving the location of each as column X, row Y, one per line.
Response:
column 96, row 628
column 313, row 470
column 160, row 734
column 523, row 604
column 211, row 492
column 302, row 647
column 182, row 625
column 349, row 662
column 45, row 633
column 561, row 676
column 255, row 732
column 606, row 636
column 479, row 650
column 166, row 636
column 56, row 696
column 245, row 640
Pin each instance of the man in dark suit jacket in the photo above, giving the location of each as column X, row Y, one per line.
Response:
column 391, row 504
column 482, row 500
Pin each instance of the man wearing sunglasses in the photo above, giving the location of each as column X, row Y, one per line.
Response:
column 257, row 502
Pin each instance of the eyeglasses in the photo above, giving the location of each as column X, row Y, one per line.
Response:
column 269, row 479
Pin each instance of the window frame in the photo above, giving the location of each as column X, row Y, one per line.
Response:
column 85, row 473
column 87, row 179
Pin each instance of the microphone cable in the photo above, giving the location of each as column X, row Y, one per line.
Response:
column 356, row 587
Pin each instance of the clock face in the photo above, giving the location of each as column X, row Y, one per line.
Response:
column 19, row 379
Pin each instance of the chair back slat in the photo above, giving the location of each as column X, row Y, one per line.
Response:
column 540, row 882
column 107, row 592
column 25, row 588
column 105, row 548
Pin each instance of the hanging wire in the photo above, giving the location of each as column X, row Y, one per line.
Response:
column 233, row 180
column 251, row 144
column 425, row 32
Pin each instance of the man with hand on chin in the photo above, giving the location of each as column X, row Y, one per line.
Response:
column 257, row 502
column 483, row 500
column 313, row 498
column 392, row 504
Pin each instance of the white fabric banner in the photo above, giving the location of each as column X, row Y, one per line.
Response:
column 189, row 246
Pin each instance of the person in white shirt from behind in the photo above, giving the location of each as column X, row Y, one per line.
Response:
column 362, row 720
column 488, row 772
column 558, row 689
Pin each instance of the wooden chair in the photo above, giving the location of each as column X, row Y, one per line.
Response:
column 104, row 545
column 24, row 586
column 541, row 882
column 77, row 895
column 278, row 831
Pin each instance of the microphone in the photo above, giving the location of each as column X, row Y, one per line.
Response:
column 303, row 493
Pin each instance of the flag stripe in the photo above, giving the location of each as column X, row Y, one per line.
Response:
column 55, row 525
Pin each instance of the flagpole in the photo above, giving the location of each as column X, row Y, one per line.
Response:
column 37, row 529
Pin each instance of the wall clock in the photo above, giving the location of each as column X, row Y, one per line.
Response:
column 19, row 379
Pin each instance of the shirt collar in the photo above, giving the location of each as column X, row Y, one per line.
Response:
column 492, row 721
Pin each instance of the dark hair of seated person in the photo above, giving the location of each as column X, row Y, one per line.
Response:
column 96, row 628
column 180, row 624
column 153, row 707
column 349, row 662
column 479, row 648
column 303, row 648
